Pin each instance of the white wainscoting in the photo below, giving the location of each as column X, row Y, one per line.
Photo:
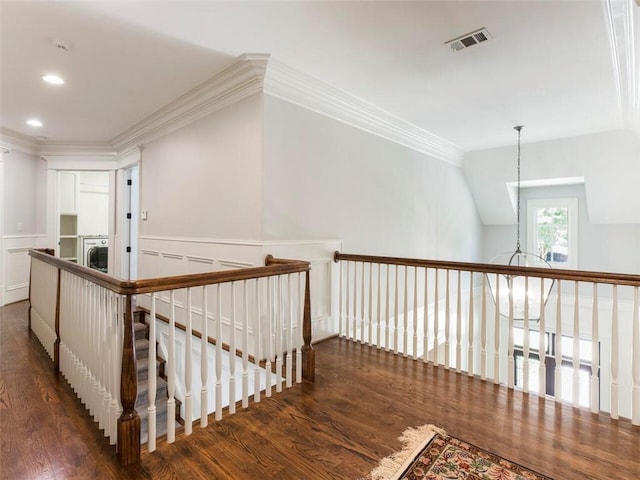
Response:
column 16, row 265
column 166, row 256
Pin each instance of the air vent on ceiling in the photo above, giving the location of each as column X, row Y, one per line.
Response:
column 470, row 39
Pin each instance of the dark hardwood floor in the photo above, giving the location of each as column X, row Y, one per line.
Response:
column 337, row 428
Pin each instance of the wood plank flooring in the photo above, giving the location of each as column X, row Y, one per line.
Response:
column 336, row 428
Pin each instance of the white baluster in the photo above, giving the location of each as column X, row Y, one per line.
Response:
column 204, row 360
column 218, row 335
column 387, row 309
column 447, row 323
column 271, row 316
column 188, row 367
column 378, row 316
column 436, row 315
column 115, row 363
column 635, row 360
column 405, row 314
column 459, row 323
column 347, row 305
column 425, row 318
column 341, row 302
column 510, row 347
column 370, row 342
column 104, row 362
column 496, row 335
column 257, row 330
column 232, row 351
column 362, row 303
column 415, row 313
column 483, row 331
column 576, row 346
column 542, row 345
column 595, row 354
column 279, row 329
column 470, row 328
column 396, row 312
column 526, row 339
column 290, row 309
column 171, row 374
column 355, row 301
column 152, row 382
column 299, row 317
column 615, row 353
column 558, row 347
column 245, row 346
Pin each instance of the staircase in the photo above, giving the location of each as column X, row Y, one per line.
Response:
column 142, row 403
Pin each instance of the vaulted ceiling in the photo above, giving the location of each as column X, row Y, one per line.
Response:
column 561, row 68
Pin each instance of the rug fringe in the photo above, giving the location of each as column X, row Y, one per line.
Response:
column 413, row 439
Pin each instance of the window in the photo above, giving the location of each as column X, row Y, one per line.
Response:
column 584, row 373
column 553, row 230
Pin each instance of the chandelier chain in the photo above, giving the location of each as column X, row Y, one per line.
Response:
column 518, row 128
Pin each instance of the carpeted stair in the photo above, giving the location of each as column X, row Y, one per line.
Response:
column 142, row 402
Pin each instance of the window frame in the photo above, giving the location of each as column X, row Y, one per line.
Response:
column 571, row 203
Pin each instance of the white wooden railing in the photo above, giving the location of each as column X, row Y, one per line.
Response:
column 445, row 313
column 254, row 324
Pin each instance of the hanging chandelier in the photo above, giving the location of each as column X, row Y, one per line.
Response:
column 516, row 293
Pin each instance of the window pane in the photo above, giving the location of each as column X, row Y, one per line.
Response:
column 584, row 347
column 552, row 234
column 534, row 376
column 567, row 385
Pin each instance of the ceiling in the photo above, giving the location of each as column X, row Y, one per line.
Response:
column 548, row 66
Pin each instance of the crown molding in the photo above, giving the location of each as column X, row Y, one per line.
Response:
column 11, row 140
column 80, row 162
column 296, row 87
column 243, row 78
column 622, row 20
column 89, row 150
column 248, row 75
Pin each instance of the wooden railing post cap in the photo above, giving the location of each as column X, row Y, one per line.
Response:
column 268, row 259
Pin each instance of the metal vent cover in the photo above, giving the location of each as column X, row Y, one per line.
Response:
column 468, row 40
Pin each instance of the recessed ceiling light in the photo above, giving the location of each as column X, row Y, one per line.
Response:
column 53, row 79
column 34, row 122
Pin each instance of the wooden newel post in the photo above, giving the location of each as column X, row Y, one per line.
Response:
column 129, row 421
column 308, row 353
column 56, row 344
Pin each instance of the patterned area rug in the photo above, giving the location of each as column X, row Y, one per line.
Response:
column 429, row 453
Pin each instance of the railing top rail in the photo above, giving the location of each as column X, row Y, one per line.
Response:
column 149, row 285
column 554, row 273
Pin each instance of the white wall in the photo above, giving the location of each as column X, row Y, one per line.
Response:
column 204, row 180
column 24, row 221
column 24, row 203
column 326, row 179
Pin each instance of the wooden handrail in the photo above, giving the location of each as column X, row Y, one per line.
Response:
column 149, row 285
column 553, row 273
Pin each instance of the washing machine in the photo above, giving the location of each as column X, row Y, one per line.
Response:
column 95, row 252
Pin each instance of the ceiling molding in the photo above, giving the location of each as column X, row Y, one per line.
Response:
column 240, row 80
column 76, row 150
column 622, row 19
column 11, row 140
column 249, row 74
column 296, row 87
column 74, row 162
